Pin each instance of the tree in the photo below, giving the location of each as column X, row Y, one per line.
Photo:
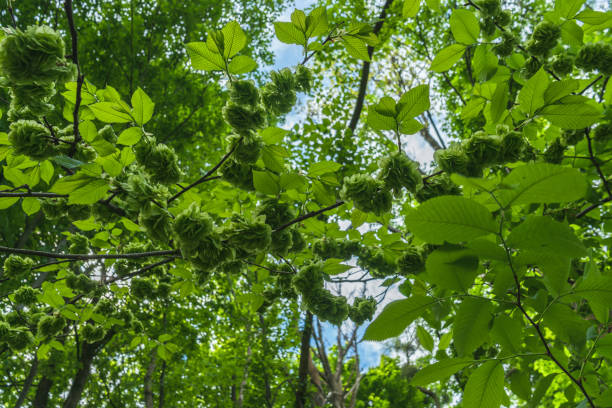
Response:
column 499, row 247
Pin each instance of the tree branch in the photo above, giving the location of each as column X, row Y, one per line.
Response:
column 84, row 257
column 80, row 78
column 309, row 215
column 365, row 70
column 205, row 177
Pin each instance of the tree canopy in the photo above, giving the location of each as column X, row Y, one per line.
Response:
column 171, row 234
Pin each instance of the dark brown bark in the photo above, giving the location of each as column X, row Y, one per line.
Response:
column 88, row 352
column 27, row 383
column 148, row 379
column 302, row 386
column 41, row 399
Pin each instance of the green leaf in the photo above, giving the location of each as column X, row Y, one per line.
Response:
column 110, row 112
column 67, row 185
column 379, row 119
column 568, row 8
column 446, row 58
column 471, row 324
column 413, row 103
column 425, row 339
column 323, row 167
column 30, row 205
column 578, row 114
column 241, row 65
column 130, row 136
column 452, row 267
column 520, row 384
column 485, row 387
column 593, row 17
column 540, row 390
column 288, row 33
column 597, row 290
column 298, row 18
column 142, row 107
column 273, row 135
column 202, row 58
column 531, row 96
column 542, row 183
column 88, row 130
column 566, row 324
column 46, row 171
column 558, row 89
column 396, row 316
column 473, row 108
column 543, row 234
column 89, row 193
column 411, row 8
column 356, row 47
column 499, row 102
column 234, row 39
column 265, row 183
column 334, row 266
column 445, row 340
column 507, row 332
column 464, row 26
column 439, row 371
column 571, row 33
column 450, row 218
column 604, row 346
column 316, row 22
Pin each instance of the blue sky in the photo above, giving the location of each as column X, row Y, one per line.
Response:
column 287, row 55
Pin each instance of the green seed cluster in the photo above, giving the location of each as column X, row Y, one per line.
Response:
column 362, row 309
column 595, row 57
column 33, row 64
column 16, row 266
column 367, row 193
column 31, row 139
column 397, row 171
column 159, row 161
column 544, row 38
column 326, row 248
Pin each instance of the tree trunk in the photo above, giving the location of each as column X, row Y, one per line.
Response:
column 27, row 383
column 302, row 386
column 148, row 379
column 41, row 399
column 80, row 379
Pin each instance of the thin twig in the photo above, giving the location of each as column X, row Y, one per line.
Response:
column 80, row 78
column 309, row 215
column 206, row 176
column 84, row 257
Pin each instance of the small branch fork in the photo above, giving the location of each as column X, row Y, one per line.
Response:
column 206, row 176
column 309, row 215
column 80, row 78
column 84, row 257
column 536, row 326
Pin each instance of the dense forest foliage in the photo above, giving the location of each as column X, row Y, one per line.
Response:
column 184, row 223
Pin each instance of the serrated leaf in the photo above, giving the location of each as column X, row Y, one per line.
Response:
column 323, row 167
column 234, row 39
column 464, row 26
column 452, row 267
column 542, row 183
column 531, row 96
column 446, row 58
column 130, row 136
column 572, row 115
column 471, row 324
column 543, row 234
column 30, row 205
column 89, row 193
column 356, row 47
column 485, row 387
column 499, row 102
column 316, row 22
column 450, row 218
column 264, row 182
column 411, row 8
column 507, row 333
column 142, row 107
column 568, row 8
column 288, row 33
column 110, row 112
column 425, row 339
column 396, row 316
column 439, row 371
column 202, row 58
column 597, row 290
column 413, row 103
column 241, row 65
